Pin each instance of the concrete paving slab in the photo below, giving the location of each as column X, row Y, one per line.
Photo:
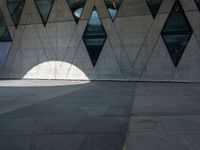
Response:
column 59, row 115
column 194, row 139
column 76, row 116
column 60, row 142
column 82, row 125
column 157, row 141
column 16, row 126
column 15, row 142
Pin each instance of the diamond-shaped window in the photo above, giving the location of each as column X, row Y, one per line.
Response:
column 154, row 6
column 5, row 41
column 94, row 36
column 44, row 7
column 176, row 33
column 15, row 8
column 198, row 3
column 113, row 7
column 76, row 7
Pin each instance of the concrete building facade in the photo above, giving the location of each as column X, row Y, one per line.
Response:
column 134, row 48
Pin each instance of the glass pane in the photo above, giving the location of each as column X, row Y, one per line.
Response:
column 78, row 12
column 176, row 45
column 5, row 40
column 4, row 50
column 44, row 8
column 4, row 33
column 176, row 33
column 198, row 3
column 177, row 21
column 76, row 7
column 154, row 6
column 94, row 36
column 113, row 7
column 15, row 8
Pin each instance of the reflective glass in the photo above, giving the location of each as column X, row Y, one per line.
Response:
column 198, row 3
column 94, row 36
column 15, row 8
column 5, row 41
column 113, row 7
column 44, row 8
column 4, row 50
column 154, row 6
column 176, row 33
column 76, row 7
column 176, row 45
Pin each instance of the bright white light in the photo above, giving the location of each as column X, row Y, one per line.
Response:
column 56, row 70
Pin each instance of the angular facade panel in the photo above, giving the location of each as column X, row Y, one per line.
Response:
column 134, row 49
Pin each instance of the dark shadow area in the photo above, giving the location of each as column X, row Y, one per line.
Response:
column 94, row 116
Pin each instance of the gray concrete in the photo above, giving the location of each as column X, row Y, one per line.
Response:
column 165, row 116
column 80, row 116
column 134, row 49
column 60, row 115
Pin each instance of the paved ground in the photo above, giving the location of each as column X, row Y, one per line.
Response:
column 61, row 115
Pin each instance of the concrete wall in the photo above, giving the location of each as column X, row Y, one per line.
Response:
column 134, row 49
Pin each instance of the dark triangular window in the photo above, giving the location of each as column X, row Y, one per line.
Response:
column 154, row 6
column 44, row 7
column 113, row 7
column 76, row 7
column 15, row 8
column 94, row 36
column 176, row 32
column 5, row 40
column 198, row 3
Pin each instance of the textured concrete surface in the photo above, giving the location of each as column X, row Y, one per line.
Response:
column 79, row 116
column 60, row 115
column 165, row 116
column 134, row 49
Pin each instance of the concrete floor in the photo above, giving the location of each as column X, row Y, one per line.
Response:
column 61, row 115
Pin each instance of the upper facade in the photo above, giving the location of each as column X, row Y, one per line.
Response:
column 137, row 40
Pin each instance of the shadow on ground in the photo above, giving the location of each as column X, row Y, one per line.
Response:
column 91, row 116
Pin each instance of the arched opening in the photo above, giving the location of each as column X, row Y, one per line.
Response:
column 55, row 70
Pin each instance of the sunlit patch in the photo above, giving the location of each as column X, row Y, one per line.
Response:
column 56, row 70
